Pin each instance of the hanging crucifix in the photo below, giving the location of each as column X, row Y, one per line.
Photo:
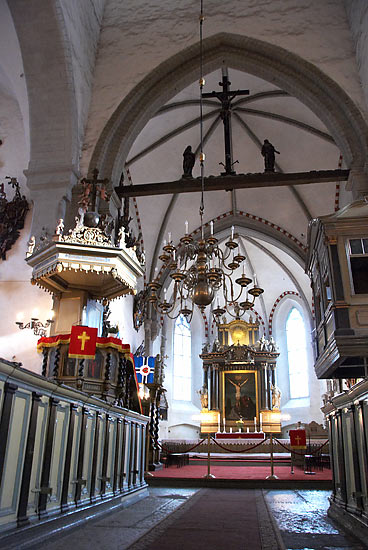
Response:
column 93, row 190
column 226, row 96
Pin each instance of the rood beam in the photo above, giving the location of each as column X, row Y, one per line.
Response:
column 227, row 183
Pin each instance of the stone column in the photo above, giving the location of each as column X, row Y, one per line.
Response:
column 50, row 193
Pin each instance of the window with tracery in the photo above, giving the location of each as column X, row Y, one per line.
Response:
column 297, row 355
column 182, row 360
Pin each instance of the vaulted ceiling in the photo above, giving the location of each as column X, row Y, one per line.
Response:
column 272, row 223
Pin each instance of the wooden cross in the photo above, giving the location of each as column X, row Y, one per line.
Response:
column 226, row 96
column 94, row 183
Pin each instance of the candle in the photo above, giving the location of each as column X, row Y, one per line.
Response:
column 164, row 242
column 169, row 237
column 231, row 430
column 255, row 423
column 174, row 255
column 248, row 430
column 232, row 232
column 224, row 425
column 211, row 225
column 218, row 424
column 255, row 280
column 186, row 227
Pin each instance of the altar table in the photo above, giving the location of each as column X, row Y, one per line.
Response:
column 240, row 435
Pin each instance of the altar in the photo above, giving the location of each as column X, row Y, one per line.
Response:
column 240, row 435
column 239, row 380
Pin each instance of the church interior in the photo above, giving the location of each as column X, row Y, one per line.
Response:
column 184, row 272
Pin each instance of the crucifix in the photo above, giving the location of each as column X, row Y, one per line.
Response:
column 226, row 96
column 91, row 186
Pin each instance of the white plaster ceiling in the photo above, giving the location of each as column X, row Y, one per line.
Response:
column 295, row 131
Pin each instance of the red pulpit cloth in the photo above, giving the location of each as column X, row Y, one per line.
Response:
column 83, row 342
column 298, row 439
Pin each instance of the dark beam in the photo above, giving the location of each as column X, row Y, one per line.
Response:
column 227, row 183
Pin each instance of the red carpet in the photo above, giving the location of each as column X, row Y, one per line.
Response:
column 239, row 472
column 216, row 519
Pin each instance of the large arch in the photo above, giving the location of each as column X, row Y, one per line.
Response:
column 290, row 72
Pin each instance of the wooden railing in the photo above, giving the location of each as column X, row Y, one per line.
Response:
column 61, row 449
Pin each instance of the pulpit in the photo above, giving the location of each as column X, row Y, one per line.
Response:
column 239, row 376
column 110, row 375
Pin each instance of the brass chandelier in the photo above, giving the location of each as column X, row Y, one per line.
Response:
column 200, row 268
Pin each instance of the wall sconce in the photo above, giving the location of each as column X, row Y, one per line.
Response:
column 39, row 329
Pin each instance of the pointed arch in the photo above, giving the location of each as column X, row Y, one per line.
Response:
column 287, row 70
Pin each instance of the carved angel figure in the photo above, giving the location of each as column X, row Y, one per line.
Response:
column 203, row 395
column 276, row 397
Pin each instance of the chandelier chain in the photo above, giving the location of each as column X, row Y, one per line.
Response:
column 201, row 83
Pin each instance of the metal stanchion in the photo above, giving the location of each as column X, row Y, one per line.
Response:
column 272, row 476
column 209, row 475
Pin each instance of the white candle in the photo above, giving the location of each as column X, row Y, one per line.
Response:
column 174, row 255
column 224, row 425
column 231, row 430
column 248, row 430
column 255, row 423
column 164, row 242
column 218, row 424
column 255, row 280
column 211, row 225
column 169, row 237
column 232, row 232
column 186, row 227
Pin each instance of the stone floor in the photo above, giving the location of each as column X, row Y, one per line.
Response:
column 300, row 515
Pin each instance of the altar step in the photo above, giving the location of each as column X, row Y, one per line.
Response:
column 240, row 461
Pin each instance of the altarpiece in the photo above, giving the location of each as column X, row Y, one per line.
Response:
column 239, row 375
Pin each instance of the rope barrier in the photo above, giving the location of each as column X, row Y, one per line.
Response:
column 242, row 450
column 301, row 454
column 179, row 452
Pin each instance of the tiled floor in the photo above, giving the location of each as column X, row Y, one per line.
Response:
column 302, row 519
column 301, row 516
column 118, row 530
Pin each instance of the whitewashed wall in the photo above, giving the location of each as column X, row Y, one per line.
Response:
column 357, row 12
column 305, row 409
column 137, row 36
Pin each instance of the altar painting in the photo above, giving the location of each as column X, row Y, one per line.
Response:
column 240, row 395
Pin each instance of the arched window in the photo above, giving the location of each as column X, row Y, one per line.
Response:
column 182, row 360
column 297, row 355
